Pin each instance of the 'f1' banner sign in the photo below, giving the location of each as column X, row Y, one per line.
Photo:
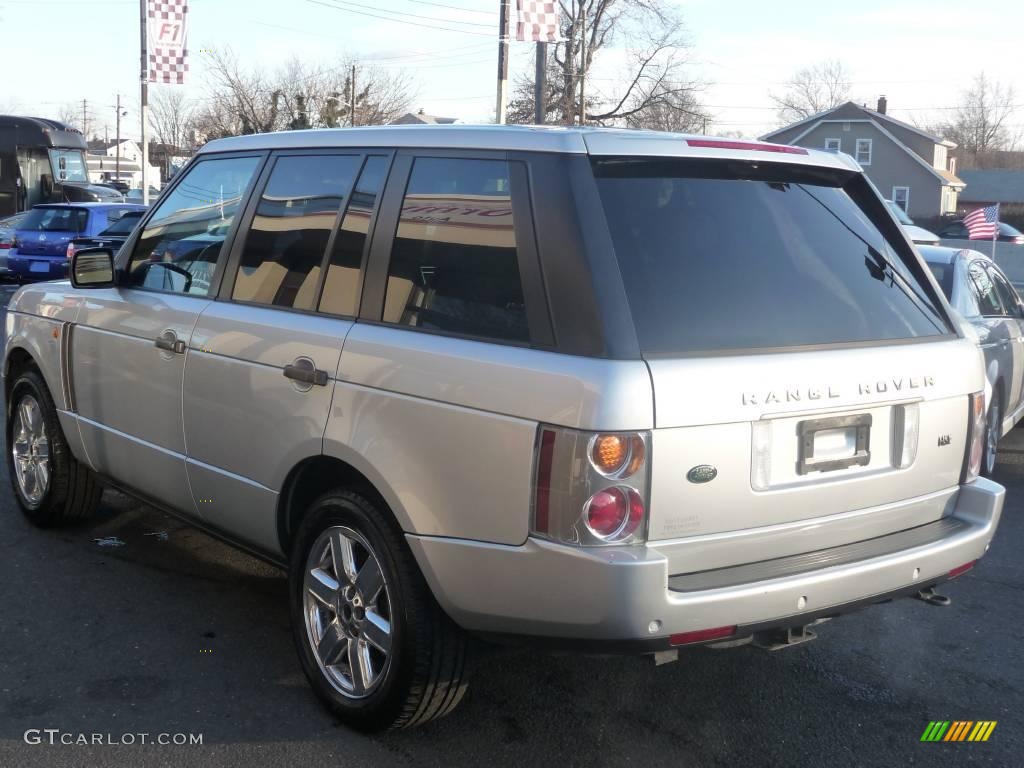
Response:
column 167, row 25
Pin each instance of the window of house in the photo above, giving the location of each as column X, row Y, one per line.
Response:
column 901, row 197
column 454, row 264
column 833, row 145
column 863, row 155
column 341, row 286
column 285, row 247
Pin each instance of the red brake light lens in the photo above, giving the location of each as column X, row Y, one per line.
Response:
column 614, row 513
column 747, row 145
column 542, row 501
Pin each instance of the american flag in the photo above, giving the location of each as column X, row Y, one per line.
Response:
column 538, row 20
column 982, row 224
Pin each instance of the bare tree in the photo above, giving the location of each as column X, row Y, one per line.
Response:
column 981, row 122
column 651, row 88
column 298, row 96
column 171, row 116
column 812, row 90
column 70, row 114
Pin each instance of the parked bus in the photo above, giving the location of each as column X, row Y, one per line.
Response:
column 43, row 161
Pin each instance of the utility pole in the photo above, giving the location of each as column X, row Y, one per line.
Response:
column 117, row 139
column 502, row 104
column 144, row 100
column 352, row 99
column 540, row 86
column 583, row 64
column 85, row 119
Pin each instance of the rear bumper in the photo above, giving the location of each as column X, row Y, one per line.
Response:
column 623, row 595
column 22, row 266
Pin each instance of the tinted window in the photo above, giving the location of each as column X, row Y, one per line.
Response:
column 1007, row 295
column 984, row 290
column 186, row 232
column 454, row 266
column 55, row 220
column 285, row 247
column 944, row 276
column 124, row 225
column 341, row 286
column 719, row 256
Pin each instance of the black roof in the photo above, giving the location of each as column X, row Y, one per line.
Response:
column 44, row 131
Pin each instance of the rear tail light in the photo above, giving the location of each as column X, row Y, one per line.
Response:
column 702, row 635
column 975, row 437
column 591, row 489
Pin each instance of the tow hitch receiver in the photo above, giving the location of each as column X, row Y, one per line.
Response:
column 777, row 639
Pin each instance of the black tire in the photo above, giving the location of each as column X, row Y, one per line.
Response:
column 73, row 492
column 993, row 421
column 426, row 675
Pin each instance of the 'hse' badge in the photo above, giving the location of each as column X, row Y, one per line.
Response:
column 944, row 440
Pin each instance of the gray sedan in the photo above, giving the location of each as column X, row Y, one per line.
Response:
column 980, row 291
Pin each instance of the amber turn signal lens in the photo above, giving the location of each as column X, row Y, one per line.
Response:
column 619, row 455
column 610, row 452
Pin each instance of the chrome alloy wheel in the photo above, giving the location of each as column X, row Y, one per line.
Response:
column 348, row 612
column 30, row 448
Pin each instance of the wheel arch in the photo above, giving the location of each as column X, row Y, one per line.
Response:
column 16, row 360
column 316, row 475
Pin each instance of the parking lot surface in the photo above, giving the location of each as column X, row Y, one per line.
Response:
column 182, row 634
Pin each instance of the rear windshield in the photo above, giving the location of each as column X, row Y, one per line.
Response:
column 55, row 220
column 727, row 256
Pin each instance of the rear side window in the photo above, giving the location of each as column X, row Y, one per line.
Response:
column 984, row 290
column 454, row 265
column 944, row 277
column 731, row 256
column 286, row 244
column 1007, row 295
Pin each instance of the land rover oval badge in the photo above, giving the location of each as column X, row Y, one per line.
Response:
column 702, row 473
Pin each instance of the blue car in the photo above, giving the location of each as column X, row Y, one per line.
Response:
column 40, row 245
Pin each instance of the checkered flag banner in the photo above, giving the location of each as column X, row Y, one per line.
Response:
column 168, row 56
column 537, row 21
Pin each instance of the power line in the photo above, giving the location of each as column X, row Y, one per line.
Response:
column 455, row 7
column 402, row 21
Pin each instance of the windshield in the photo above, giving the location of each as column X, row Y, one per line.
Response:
column 124, row 225
column 899, row 213
column 55, row 220
column 729, row 255
column 68, row 165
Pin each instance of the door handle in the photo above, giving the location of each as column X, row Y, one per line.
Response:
column 305, row 370
column 169, row 341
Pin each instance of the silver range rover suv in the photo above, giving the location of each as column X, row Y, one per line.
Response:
column 621, row 391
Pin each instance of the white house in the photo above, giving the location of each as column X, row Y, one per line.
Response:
column 103, row 165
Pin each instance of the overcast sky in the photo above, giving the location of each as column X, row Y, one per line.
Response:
column 920, row 53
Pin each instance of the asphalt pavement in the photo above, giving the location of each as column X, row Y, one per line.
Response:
column 180, row 634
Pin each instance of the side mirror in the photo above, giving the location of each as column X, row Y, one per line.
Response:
column 92, row 268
